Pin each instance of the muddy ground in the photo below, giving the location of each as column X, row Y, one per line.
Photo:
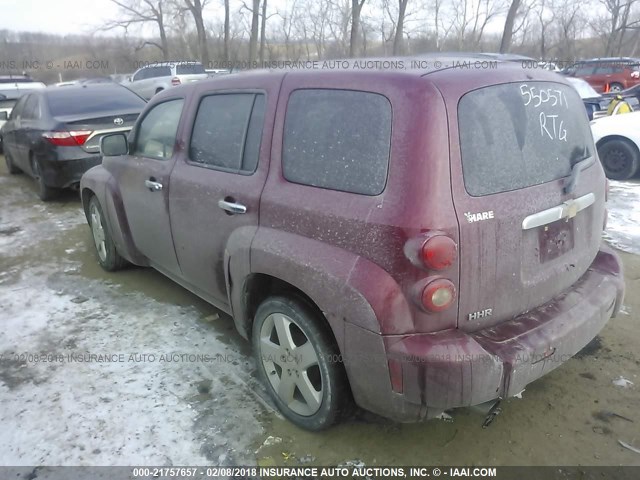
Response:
column 60, row 406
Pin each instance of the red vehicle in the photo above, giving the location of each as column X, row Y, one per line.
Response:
column 414, row 241
column 608, row 74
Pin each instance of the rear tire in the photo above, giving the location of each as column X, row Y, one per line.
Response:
column 11, row 168
column 620, row 159
column 299, row 363
column 108, row 256
column 45, row 192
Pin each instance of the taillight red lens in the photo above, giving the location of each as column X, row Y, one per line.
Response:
column 175, row 81
column 68, row 139
column 438, row 295
column 439, row 252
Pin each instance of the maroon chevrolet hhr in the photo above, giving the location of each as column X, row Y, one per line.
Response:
column 411, row 241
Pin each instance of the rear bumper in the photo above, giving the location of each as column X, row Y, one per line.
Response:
column 67, row 173
column 452, row 368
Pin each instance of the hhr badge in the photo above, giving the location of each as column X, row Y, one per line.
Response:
column 487, row 312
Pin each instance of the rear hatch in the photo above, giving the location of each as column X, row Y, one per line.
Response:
column 529, row 196
column 190, row 72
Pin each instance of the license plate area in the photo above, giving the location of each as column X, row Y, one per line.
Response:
column 555, row 239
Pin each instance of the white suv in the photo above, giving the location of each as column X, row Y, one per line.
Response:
column 156, row 77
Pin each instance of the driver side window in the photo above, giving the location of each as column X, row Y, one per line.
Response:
column 157, row 131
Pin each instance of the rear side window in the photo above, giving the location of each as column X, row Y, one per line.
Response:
column 93, row 101
column 518, row 135
column 227, row 132
column 189, row 69
column 337, row 139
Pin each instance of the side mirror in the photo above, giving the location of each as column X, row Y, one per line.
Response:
column 4, row 116
column 114, row 145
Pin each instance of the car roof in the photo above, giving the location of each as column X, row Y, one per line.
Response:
column 72, row 91
column 170, row 63
column 438, row 69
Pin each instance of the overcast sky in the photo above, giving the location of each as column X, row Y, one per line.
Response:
column 55, row 16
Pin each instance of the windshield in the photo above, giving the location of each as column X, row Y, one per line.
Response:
column 518, row 135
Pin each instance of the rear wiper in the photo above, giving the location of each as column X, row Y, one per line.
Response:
column 571, row 182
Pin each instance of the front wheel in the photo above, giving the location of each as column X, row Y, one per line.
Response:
column 11, row 168
column 619, row 159
column 299, row 363
column 108, row 256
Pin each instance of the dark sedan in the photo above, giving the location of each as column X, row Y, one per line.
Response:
column 54, row 134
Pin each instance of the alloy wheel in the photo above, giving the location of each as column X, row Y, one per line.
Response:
column 97, row 231
column 291, row 364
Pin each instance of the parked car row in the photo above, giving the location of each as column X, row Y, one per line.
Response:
column 356, row 224
column 53, row 134
column 611, row 74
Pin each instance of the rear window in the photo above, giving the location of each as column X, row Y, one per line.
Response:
column 518, row 135
column 7, row 103
column 70, row 101
column 337, row 139
column 189, row 69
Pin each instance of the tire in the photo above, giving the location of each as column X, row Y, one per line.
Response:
column 619, row 159
column 616, row 87
column 316, row 393
column 45, row 192
column 11, row 168
column 108, row 256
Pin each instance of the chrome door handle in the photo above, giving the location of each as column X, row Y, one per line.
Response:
column 155, row 186
column 232, row 207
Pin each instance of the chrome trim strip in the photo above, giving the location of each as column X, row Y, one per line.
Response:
column 568, row 209
column 102, row 132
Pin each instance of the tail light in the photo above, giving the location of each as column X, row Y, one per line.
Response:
column 68, row 139
column 439, row 252
column 175, row 81
column 438, row 295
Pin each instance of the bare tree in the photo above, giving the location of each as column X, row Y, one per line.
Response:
column 253, row 39
column 140, row 12
column 399, row 37
column 356, row 10
column 196, row 7
column 226, row 31
column 263, row 27
column 507, row 33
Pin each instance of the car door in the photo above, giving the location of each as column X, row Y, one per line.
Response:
column 144, row 182
column 601, row 77
column 216, row 188
column 9, row 132
column 24, row 132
